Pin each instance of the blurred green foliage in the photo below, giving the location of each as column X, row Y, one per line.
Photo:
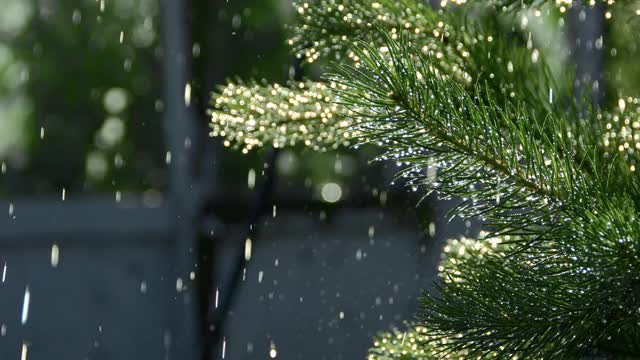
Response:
column 81, row 92
column 89, row 119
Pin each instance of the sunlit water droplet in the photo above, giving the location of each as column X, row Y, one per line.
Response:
column 187, row 94
column 251, row 179
column 55, row 255
column 25, row 306
column 217, row 298
column 23, row 355
column 331, row 192
column 248, row 244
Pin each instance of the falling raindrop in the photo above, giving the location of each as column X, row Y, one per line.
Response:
column 187, row 94
column 251, row 179
column 55, row 255
column 25, row 306
column 432, row 229
column 224, row 347
column 622, row 104
column 247, row 249
column 217, row 297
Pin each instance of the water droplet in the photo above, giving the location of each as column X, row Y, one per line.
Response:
column 25, row 348
column 224, row 347
column 331, row 192
column 55, row 255
column 187, row 94
column 25, row 306
column 248, row 244
column 251, row 179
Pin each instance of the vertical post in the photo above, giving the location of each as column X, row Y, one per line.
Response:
column 180, row 131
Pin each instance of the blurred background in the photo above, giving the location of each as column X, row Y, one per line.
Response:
column 129, row 234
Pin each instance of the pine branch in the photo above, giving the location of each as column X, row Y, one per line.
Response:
column 566, row 298
column 510, row 167
column 508, row 64
column 519, row 173
column 417, row 341
column 514, row 5
column 255, row 115
column 330, row 28
column 620, row 133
